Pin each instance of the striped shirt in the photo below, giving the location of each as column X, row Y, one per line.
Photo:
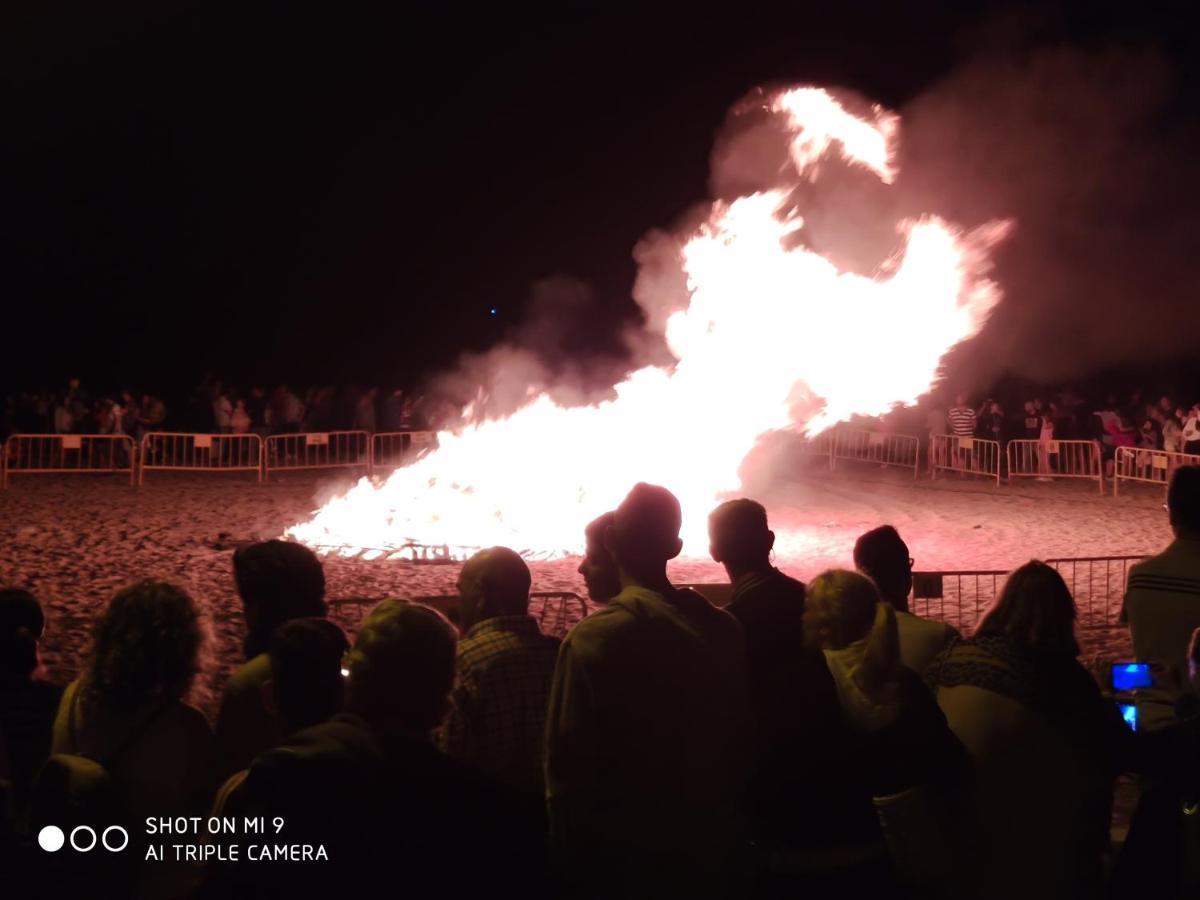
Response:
column 962, row 421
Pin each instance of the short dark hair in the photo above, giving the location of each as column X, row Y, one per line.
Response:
column 882, row 556
column 504, row 577
column 646, row 525
column 402, row 665
column 596, row 529
column 306, row 669
column 21, row 625
column 1183, row 498
column 281, row 580
column 1034, row 609
column 738, row 530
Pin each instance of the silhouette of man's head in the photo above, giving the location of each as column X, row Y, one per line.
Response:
column 402, row 668
column 1183, row 501
column 739, row 537
column 493, row 582
column 882, row 556
column 597, row 567
column 645, row 533
column 306, row 685
column 21, row 625
column 277, row 581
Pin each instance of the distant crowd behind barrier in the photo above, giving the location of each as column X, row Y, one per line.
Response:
column 1051, row 437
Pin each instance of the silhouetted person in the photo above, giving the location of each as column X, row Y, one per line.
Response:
column 305, row 687
column 648, row 732
column 1162, row 601
column 28, row 704
column 505, row 667
column 899, row 740
column 1158, row 857
column 792, row 694
column 768, row 604
column 597, row 567
column 391, row 811
column 882, row 556
column 1045, row 744
column 277, row 581
column 128, row 713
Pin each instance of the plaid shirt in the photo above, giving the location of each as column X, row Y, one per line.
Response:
column 505, row 668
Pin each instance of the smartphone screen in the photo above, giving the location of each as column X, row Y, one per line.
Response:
column 1129, row 714
column 1131, row 676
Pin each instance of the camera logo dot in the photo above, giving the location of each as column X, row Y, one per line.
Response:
column 51, row 838
column 84, row 838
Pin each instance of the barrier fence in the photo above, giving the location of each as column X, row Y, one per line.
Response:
column 184, row 452
column 966, row 455
column 901, row 450
column 317, row 450
column 1147, row 466
column 1055, row 459
column 392, row 449
column 961, row 598
column 46, row 454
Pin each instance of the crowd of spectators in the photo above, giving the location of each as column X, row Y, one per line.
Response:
column 813, row 740
column 1162, row 424
column 218, row 408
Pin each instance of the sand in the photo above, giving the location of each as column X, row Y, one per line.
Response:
column 73, row 541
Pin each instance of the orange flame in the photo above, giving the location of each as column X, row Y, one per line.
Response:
column 768, row 320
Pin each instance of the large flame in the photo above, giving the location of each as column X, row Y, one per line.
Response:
column 775, row 336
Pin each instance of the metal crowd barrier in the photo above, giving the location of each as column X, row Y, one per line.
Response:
column 165, row 451
column 1148, row 466
column 317, row 450
column 46, row 454
column 1055, row 459
column 966, row 455
column 392, row 449
column 877, row 447
column 961, row 598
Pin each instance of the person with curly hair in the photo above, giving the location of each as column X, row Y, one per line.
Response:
column 128, row 710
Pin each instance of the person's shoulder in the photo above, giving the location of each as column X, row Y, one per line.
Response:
column 613, row 617
column 250, row 675
column 1178, row 555
column 187, row 721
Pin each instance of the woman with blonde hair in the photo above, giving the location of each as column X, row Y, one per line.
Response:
column 881, row 700
column 899, row 755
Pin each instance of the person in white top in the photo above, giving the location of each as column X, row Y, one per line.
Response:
column 1172, row 434
column 1191, row 429
column 882, row 556
column 223, row 413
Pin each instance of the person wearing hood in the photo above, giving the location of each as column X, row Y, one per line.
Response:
column 648, row 733
column 898, row 746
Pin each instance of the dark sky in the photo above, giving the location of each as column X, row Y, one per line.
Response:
column 269, row 192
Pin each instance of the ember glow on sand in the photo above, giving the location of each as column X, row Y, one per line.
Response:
column 774, row 337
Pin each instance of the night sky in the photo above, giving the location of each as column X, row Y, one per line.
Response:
column 268, row 192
